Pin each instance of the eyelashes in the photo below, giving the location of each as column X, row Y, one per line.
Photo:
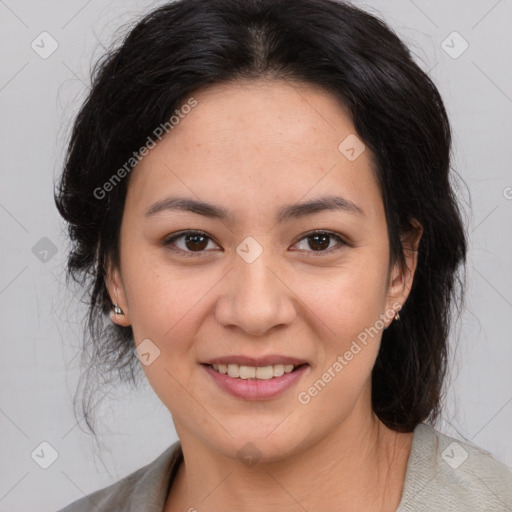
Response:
column 170, row 244
column 320, row 237
column 202, row 240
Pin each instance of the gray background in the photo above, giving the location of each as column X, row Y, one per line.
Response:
column 41, row 320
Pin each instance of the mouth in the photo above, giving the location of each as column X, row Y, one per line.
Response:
column 255, row 379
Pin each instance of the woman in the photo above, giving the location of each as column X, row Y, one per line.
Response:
column 258, row 195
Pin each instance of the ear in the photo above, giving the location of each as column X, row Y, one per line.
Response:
column 117, row 294
column 400, row 280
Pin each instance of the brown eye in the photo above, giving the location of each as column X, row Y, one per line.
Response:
column 188, row 242
column 196, row 242
column 320, row 242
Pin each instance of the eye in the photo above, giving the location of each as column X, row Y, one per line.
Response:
column 320, row 242
column 192, row 242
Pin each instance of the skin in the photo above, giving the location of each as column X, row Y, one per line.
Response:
column 253, row 147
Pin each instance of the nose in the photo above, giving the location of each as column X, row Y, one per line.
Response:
column 255, row 298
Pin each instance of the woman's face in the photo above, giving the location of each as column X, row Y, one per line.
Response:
column 256, row 286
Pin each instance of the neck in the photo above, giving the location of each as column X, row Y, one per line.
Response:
column 358, row 466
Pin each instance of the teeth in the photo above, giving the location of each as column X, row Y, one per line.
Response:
column 253, row 372
column 264, row 372
column 279, row 370
column 247, row 372
column 233, row 370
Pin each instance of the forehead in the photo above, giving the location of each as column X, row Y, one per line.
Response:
column 252, row 144
column 265, row 116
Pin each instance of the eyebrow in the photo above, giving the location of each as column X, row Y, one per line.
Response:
column 292, row 211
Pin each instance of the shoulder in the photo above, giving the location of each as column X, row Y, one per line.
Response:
column 447, row 474
column 144, row 490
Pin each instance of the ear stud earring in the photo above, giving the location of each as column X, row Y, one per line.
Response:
column 117, row 309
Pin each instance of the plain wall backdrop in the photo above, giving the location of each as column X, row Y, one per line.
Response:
column 43, row 79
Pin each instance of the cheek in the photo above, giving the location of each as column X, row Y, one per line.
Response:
column 347, row 311
column 159, row 294
column 164, row 307
column 348, row 298
column 168, row 304
column 163, row 303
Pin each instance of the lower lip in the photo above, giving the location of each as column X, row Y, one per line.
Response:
column 256, row 389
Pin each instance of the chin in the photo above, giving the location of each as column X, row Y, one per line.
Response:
column 259, row 443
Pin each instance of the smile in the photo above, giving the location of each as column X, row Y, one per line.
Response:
column 255, row 382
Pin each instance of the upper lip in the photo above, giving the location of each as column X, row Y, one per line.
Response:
column 269, row 360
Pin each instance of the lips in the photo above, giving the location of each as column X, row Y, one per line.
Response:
column 252, row 378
